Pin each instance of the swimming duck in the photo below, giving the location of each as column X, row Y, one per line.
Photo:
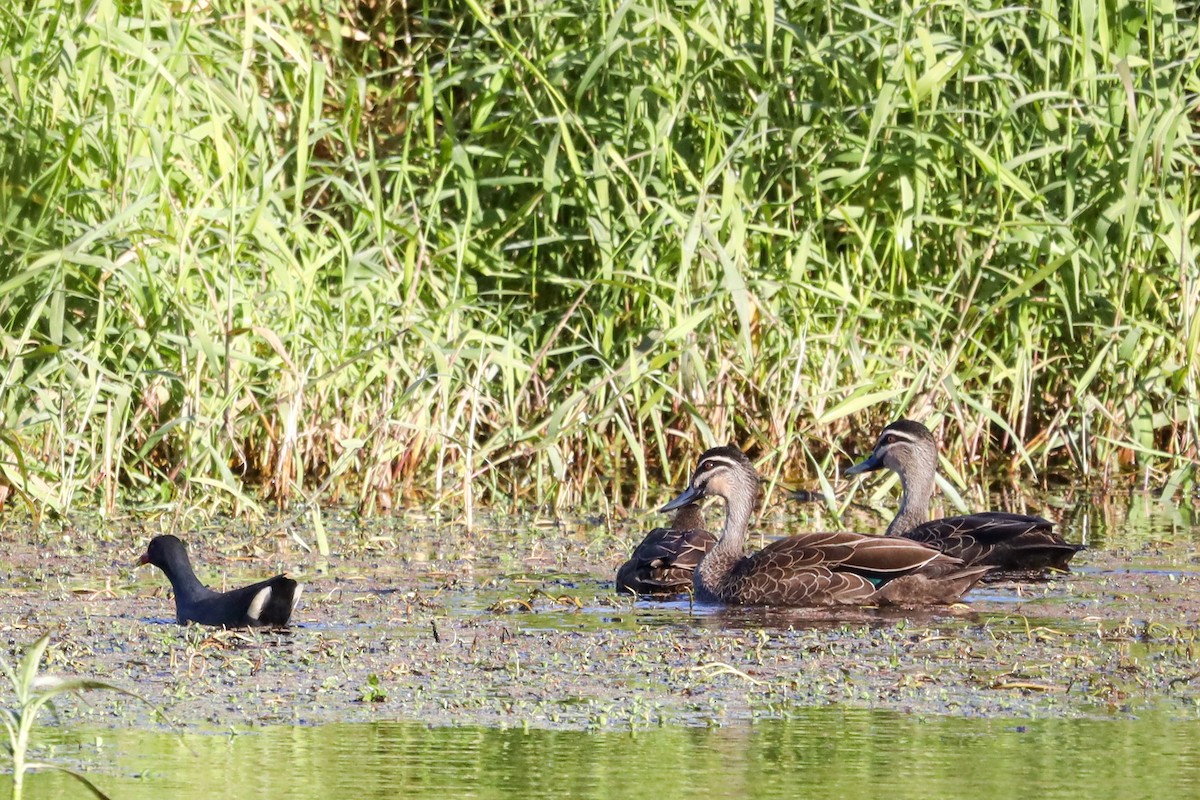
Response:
column 810, row 569
column 663, row 563
column 994, row 538
column 268, row 602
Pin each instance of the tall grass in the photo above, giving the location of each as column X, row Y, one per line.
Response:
column 545, row 250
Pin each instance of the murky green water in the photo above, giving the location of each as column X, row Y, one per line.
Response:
column 823, row 753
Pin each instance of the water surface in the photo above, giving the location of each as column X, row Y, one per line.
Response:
column 820, row 753
column 511, row 669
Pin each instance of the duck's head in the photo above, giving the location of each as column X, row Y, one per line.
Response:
column 724, row 472
column 905, row 446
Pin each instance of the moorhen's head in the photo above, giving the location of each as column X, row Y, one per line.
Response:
column 163, row 551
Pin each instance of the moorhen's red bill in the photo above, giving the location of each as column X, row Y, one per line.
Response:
column 268, row 602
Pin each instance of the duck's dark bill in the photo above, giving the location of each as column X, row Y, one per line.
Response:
column 690, row 495
column 869, row 464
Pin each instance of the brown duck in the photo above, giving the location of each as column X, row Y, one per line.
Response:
column 810, row 569
column 993, row 538
column 663, row 563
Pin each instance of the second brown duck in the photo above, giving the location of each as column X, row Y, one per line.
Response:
column 1014, row 542
column 663, row 563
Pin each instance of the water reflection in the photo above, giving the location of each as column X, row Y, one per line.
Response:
column 822, row 753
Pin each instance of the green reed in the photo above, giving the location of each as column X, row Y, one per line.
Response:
column 547, row 250
column 34, row 692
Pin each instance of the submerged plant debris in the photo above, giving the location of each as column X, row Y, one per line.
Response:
column 516, row 625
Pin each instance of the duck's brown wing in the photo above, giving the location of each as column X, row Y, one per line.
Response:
column 882, row 557
column 832, row 568
column 664, row 562
column 998, row 539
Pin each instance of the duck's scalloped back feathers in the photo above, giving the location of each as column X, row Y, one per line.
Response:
column 872, row 556
column 846, row 568
column 1013, row 542
column 662, row 564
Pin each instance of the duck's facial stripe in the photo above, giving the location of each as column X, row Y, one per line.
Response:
column 893, row 437
column 712, row 462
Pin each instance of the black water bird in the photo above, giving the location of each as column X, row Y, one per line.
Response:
column 266, row 603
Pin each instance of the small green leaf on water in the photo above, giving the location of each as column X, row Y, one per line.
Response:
column 373, row 691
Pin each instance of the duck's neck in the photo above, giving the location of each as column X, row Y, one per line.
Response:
column 914, row 502
column 688, row 518
column 713, row 572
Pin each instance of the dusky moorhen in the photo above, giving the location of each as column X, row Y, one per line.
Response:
column 268, row 602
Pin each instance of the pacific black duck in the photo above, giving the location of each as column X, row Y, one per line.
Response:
column 663, row 563
column 1010, row 542
column 810, row 569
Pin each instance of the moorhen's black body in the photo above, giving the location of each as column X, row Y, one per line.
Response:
column 266, row 603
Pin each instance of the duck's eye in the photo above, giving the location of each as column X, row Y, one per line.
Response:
column 705, row 466
column 888, row 439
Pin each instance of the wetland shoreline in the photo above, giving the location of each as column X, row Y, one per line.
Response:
column 532, row 636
